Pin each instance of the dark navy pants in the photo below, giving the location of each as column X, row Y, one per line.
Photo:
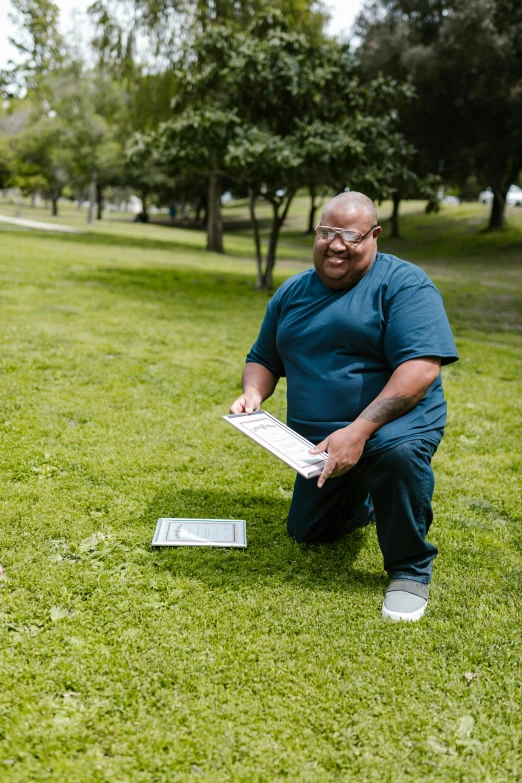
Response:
column 394, row 487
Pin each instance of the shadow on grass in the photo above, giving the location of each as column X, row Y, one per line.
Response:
column 163, row 283
column 271, row 556
column 229, row 224
column 170, row 242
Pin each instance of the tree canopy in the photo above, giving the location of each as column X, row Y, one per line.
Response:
column 464, row 60
column 272, row 110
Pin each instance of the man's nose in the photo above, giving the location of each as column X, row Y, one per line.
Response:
column 337, row 244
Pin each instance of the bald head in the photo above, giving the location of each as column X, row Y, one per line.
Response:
column 341, row 262
column 351, row 203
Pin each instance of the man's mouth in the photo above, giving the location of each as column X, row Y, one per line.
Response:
column 336, row 259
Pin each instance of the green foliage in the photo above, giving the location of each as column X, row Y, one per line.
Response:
column 274, row 111
column 42, row 159
column 6, row 163
column 465, row 61
column 38, row 42
column 163, row 26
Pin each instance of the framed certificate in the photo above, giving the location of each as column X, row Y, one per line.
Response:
column 200, row 532
column 280, row 440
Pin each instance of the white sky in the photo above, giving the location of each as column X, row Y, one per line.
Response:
column 343, row 15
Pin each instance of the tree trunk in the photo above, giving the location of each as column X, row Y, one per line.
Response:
column 268, row 277
column 271, row 256
column 214, row 223
column 54, row 202
column 498, row 206
column 202, row 211
column 99, row 199
column 394, row 220
column 92, row 197
column 313, row 209
column 257, row 239
column 144, row 205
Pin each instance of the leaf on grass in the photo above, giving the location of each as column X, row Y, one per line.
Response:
column 436, row 746
column 58, row 613
column 56, row 558
column 91, row 543
column 465, row 727
column 197, row 770
column 61, row 719
column 68, row 694
column 23, row 630
column 470, row 676
column 130, row 633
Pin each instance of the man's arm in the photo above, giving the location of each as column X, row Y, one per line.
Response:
column 258, row 384
column 406, row 387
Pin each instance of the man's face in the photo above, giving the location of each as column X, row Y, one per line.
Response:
column 341, row 265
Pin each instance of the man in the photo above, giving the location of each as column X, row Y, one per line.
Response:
column 360, row 339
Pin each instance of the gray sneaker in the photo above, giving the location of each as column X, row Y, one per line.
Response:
column 405, row 600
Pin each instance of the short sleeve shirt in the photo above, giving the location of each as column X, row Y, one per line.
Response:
column 338, row 349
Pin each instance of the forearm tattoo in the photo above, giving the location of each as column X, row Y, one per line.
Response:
column 389, row 408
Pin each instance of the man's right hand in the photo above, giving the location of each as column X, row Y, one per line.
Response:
column 249, row 402
column 258, row 384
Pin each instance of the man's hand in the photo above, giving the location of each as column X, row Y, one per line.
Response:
column 258, row 384
column 344, row 448
column 249, row 402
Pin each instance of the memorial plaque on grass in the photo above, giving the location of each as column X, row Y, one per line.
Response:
column 200, row 532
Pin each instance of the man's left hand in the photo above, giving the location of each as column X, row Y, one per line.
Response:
column 344, row 448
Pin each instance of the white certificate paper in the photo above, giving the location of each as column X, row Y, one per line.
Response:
column 280, row 440
column 171, row 531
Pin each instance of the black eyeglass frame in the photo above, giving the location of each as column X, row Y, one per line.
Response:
column 342, row 231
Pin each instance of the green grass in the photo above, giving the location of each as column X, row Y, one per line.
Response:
column 121, row 349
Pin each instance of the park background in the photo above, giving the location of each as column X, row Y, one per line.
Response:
column 122, row 345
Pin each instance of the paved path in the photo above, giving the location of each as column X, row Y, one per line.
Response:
column 39, row 224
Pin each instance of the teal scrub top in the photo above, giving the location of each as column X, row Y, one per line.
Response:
column 338, row 349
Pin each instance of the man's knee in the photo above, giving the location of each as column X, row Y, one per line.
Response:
column 407, row 456
column 302, row 533
column 315, row 531
column 300, row 536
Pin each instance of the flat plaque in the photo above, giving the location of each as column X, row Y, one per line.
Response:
column 171, row 531
column 286, row 444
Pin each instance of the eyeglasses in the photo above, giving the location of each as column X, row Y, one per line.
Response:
column 328, row 234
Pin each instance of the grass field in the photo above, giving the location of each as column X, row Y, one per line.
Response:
column 120, row 350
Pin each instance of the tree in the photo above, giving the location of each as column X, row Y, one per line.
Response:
column 194, row 143
column 38, row 41
column 390, row 46
column 465, row 61
column 6, row 164
column 272, row 110
column 165, row 25
column 42, row 159
column 89, row 106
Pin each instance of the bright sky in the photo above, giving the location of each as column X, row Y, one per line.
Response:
column 343, row 15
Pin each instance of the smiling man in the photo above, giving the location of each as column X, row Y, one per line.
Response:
column 360, row 339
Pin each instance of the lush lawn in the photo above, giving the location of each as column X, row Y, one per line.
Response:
column 120, row 350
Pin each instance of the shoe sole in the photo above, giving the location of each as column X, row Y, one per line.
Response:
column 411, row 617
